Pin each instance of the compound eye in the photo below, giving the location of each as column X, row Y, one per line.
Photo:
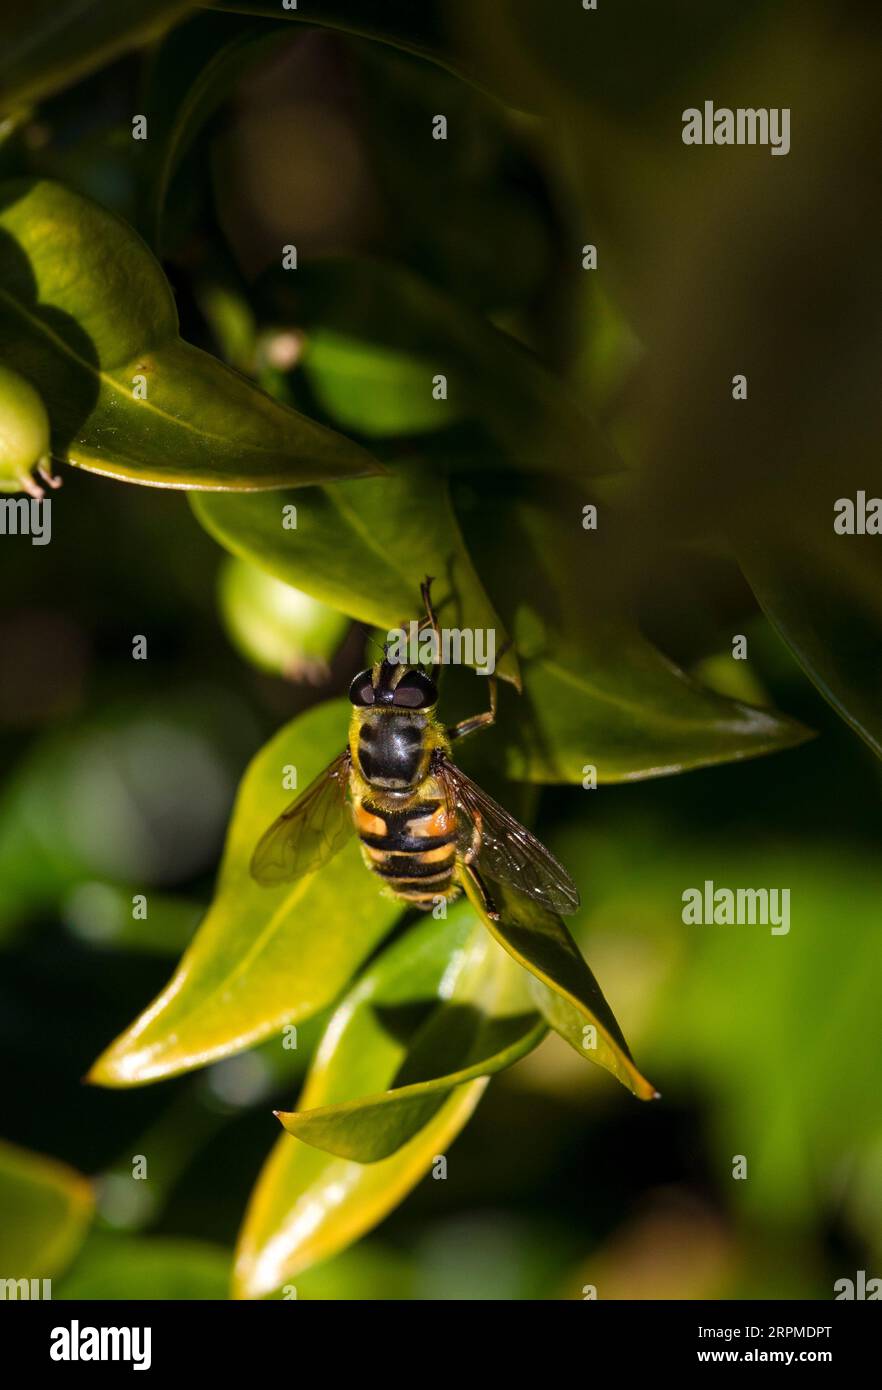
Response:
column 415, row 691
column 361, row 691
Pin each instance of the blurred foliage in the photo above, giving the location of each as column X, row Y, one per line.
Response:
column 277, row 627
column 45, row 1209
column 566, row 389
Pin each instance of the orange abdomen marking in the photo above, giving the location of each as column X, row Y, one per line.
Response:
column 413, row 850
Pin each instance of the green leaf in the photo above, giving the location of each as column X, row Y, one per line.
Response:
column 616, row 704
column 364, row 550
column 49, row 44
column 823, row 593
column 372, row 389
column 564, row 987
column 45, row 1210
column 383, row 315
column 441, row 1007
column 263, row 957
column 88, row 340
column 279, row 628
column 307, row 1205
column 596, row 692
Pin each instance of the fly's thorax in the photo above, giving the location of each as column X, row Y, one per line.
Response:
column 392, row 749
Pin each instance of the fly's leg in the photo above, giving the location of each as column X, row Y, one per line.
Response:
column 468, row 859
column 489, row 905
column 471, row 853
column 477, row 721
column 431, row 618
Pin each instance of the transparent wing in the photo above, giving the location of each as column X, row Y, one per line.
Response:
column 310, row 832
column 507, row 851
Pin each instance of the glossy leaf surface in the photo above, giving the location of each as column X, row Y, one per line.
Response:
column 478, row 1018
column 565, row 990
column 263, row 957
column 89, row 319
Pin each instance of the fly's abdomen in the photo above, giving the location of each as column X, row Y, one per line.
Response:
column 413, row 851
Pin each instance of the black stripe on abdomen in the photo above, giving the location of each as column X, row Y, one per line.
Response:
column 407, row 844
column 397, row 820
column 411, row 866
column 420, row 888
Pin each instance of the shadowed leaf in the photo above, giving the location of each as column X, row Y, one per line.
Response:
column 375, row 319
column 125, row 395
column 49, row 44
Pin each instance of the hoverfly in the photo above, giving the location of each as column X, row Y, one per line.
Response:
column 422, row 822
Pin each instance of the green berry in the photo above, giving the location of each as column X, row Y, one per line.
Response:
column 24, row 433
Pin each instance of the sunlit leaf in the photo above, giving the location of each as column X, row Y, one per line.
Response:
column 442, row 1006
column 45, row 1210
column 618, row 706
column 126, row 396
column 364, row 550
column 51, row 43
column 263, row 957
column 564, row 988
column 307, row 1204
column 373, row 389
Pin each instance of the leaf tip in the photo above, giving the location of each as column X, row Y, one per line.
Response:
column 643, row 1089
column 120, row 1066
column 102, row 1072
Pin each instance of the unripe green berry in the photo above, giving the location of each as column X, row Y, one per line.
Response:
column 277, row 627
column 24, row 433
